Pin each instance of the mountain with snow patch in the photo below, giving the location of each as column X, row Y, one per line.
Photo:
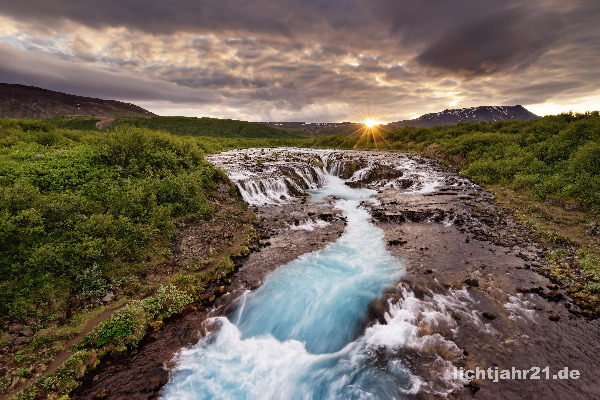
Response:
column 473, row 114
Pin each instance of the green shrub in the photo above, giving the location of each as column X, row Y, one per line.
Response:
column 76, row 206
column 127, row 326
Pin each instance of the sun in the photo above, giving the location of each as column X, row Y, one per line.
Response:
column 371, row 123
column 371, row 131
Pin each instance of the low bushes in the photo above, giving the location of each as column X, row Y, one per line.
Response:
column 80, row 211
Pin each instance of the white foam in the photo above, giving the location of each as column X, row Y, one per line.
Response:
column 310, row 225
column 520, row 308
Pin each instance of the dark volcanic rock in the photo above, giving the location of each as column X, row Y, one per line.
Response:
column 472, row 282
column 377, row 173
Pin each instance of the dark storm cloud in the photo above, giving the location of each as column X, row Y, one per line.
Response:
column 473, row 37
column 505, row 39
column 289, row 57
column 196, row 78
column 528, row 94
column 541, row 90
column 460, row 36
column 41, row 69
column 158, row 16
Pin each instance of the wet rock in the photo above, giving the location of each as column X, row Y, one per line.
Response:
column 472, row 282
column 488, row 315
column 375, row 173
column 156, row 378
column 536, row 290
column 405, row 183
column 376, row 311
column 473, row 387
column 327, row 217
column 348, row 168
column 253, row 285
column 396, row 242
column 297, row 215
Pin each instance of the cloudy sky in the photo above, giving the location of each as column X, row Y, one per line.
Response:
column 308, row 60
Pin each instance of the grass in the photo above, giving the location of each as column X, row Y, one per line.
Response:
column 208, row 127
column 85, row 213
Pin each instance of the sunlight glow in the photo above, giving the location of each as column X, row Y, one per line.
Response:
column 370, row 133
column 590, row 103
column 371, row 123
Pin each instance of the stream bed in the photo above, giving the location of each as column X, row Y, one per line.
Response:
column 374, row 275
column 300, row 335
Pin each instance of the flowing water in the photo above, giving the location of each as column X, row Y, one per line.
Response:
column 303, row 334
column 299, row 335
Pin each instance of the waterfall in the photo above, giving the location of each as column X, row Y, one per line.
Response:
column 301, row 335
column 284, row 175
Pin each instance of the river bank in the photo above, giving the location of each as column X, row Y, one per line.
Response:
column 471, row 295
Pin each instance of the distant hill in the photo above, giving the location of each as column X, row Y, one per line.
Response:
column 209, row 127
column 473, row 114
column 317, row 128
column 19, row 101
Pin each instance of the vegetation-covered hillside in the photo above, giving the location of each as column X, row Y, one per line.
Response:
column 208, row 127
column 557, row 156
column 212, row 134
column 76, row 208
